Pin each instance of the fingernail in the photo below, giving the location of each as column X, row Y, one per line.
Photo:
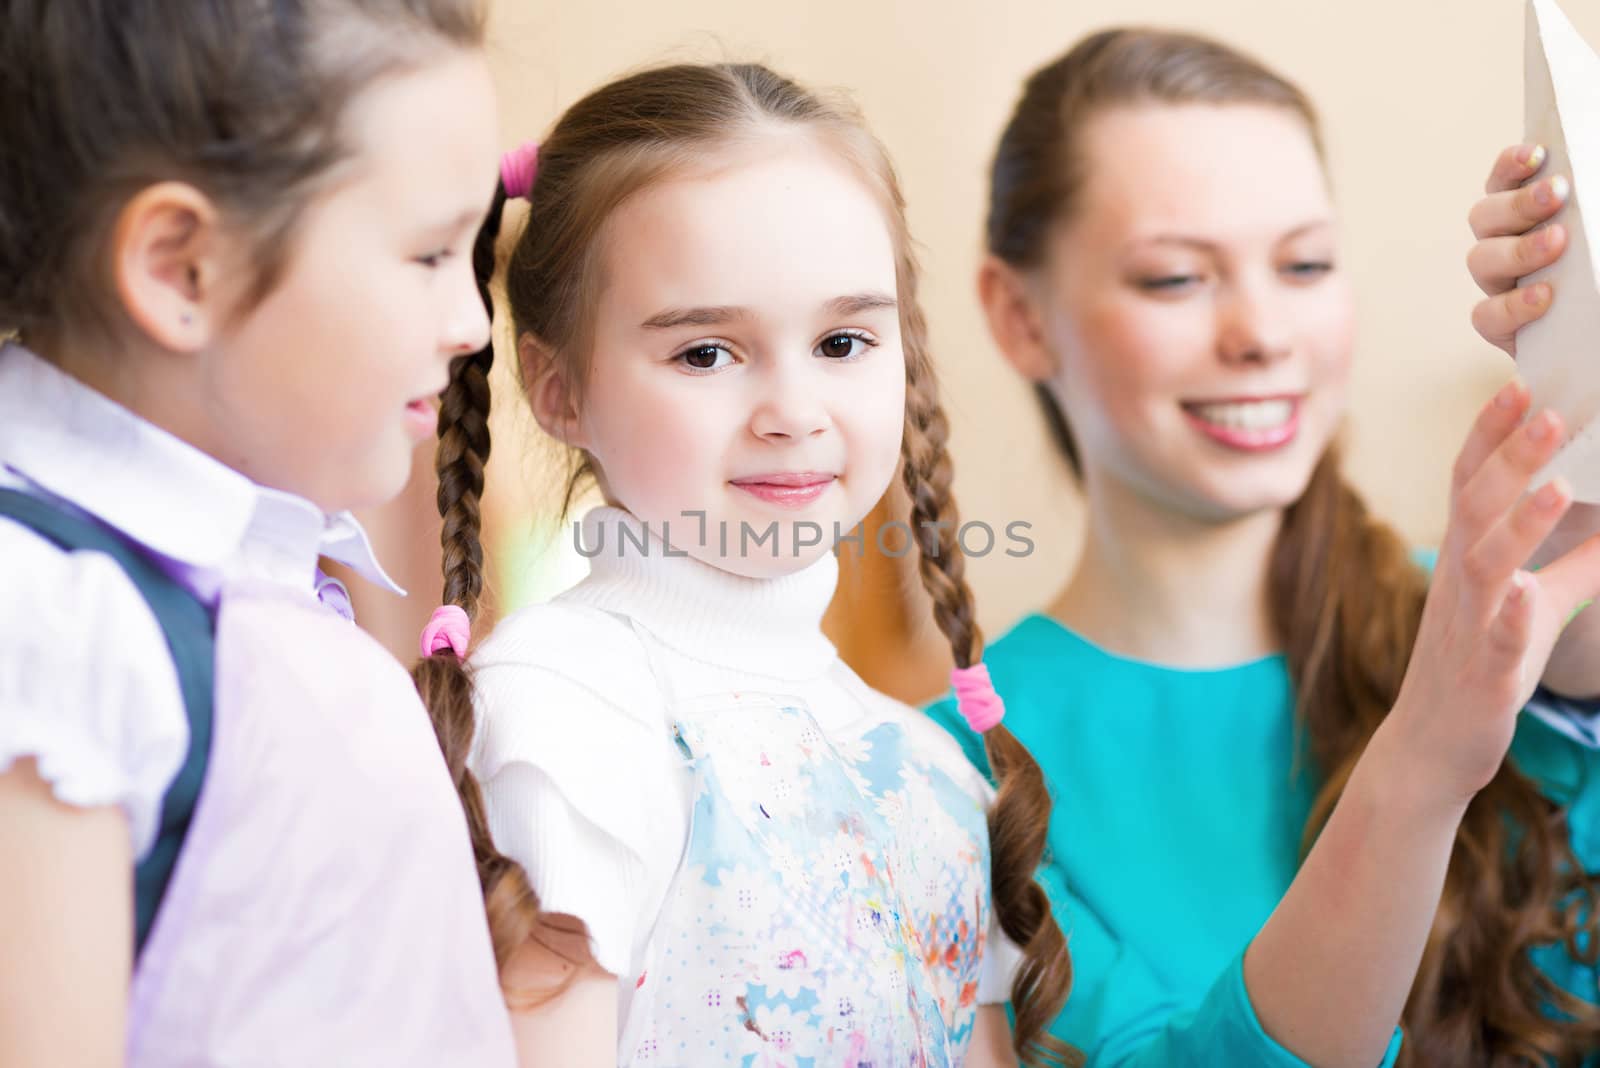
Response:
column 1535, row 158
column 1549, row 495
column 1543, row 426
column 1507, row 397
column 1536, row 294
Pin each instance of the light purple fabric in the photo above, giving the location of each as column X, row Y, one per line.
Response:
column 324, row 910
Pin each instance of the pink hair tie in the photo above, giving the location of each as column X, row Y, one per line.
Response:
column 517, row 170
column 448, row 628
column 980, row 706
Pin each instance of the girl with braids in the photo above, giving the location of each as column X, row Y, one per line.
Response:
column 233, row 244
column 1272, row 839
column 734, row 851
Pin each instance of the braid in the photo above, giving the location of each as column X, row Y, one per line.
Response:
column 1019, row 819
column 464, row 440
column 443, row 679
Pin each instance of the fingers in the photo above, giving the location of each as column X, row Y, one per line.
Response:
column 1572, row 578
column 1514, row 166
column 1489, row 493
column 1497, row 262
column 1503, row 477
column 1517, row 211
column 1512, row 540
column 1512, row 630
column 1495, row 422
column 1497, row 319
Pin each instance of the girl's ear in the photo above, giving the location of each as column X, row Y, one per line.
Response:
column 553, row 401
column 1015, row 321
column 166, row 262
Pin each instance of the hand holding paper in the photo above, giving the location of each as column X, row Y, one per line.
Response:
column 1513, row 245
column 1558, row 352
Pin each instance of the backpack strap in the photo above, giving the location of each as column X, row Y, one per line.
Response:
column 190, row 631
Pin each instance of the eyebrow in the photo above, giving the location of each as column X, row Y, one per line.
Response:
column 716, row 315
column 712, row 316
column 1211, row 246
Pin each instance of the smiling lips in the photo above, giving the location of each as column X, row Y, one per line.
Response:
column 792, row 489
column 422, row 417
column 1249, row 424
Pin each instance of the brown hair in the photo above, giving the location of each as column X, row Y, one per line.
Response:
column 1345, row 598
column 445, row 680
column 242, row 99
column 608, row 146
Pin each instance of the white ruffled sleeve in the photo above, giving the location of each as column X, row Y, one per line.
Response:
column 581, row 783
column 87, row 683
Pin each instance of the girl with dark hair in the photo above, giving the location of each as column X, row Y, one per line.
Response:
column 233, row 243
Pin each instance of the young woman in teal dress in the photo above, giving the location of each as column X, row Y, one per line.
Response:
column 1248, row 846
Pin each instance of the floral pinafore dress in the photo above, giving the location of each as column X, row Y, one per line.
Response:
column 832, row 904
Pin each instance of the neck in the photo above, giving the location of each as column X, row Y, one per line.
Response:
column 133, row 376
column 767, row 626
column 1161, row 586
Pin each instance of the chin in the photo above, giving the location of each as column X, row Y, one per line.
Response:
column 1236, row 499
column 765, row 557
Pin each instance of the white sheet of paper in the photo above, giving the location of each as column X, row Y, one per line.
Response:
column 1559, row 355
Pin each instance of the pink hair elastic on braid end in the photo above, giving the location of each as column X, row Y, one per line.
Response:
column 980, row 706
column 448, row 628
column 518, row 168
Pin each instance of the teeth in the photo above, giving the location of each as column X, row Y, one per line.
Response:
column 1247, row 415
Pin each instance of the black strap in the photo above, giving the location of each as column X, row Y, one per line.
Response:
column 190, row 631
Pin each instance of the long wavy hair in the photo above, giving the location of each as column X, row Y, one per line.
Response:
column 1346, row 601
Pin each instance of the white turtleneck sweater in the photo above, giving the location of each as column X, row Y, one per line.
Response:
column 584, row 785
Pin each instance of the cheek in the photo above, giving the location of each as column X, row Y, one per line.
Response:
column 1330, row 335
column 366, row 337
column 644, row 446
column 1127, row 354
column 874, row 413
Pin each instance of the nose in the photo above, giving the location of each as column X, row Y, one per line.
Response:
column 466, row 326
column 1251, row 327
column 790, row 404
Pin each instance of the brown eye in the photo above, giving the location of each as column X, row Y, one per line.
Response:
column 703, row 357
column 843, row 346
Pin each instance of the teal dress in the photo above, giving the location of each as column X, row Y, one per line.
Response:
column 1180, row 802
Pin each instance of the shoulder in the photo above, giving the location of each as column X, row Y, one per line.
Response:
column 552, row 660
column 86, row 680
column 568, row 689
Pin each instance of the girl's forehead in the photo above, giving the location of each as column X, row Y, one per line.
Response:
column 792, row 225
column 1228, row 168
column 428, row 136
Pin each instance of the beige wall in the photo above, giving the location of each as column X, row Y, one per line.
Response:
column 1417, row 97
